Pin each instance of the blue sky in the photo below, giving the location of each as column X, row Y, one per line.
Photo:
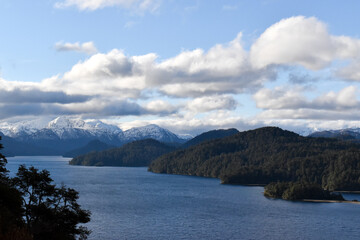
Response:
column 188, row 65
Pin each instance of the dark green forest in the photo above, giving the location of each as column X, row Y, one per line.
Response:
column 138, row 153
column 299, row 191
column 134, row 154
column 33, row 208
column 210, row 135
column 92, row 146
column 268, row 155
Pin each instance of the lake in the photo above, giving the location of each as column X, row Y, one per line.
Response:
column 131, row 203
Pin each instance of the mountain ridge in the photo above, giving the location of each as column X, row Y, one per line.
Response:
column 266, row 155
column 64, row 134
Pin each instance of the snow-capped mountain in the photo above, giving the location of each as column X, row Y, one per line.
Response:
column 69, row 128
column 61, row 128
column 151, row 131
column 63, row 134
column 345, row 134
column 20, row 128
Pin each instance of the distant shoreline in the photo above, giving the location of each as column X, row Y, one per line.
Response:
column 356, row 192
column 329, row 201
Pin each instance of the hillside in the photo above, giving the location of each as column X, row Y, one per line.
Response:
column 13, row 148
column 268, row 155
column 94, row 145
column 210, row 135
column 134, row 154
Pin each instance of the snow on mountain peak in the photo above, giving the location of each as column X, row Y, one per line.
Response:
column 97, row 124
column 150, row 131
column 74, row 128
column 65, row 122
column 23, row 127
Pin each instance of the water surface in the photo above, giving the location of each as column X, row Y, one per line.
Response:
column 131, row 203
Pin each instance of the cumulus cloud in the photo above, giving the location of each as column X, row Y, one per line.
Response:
column 161, row 107
column 280, row 103
column 285, row 98
column 350, row 72
column 140, row 5
column 222, row 69
column 38, row 96
column 204, row 81
column 301, row 41
column 216, row 102
column 111, row 74
column 86, row 47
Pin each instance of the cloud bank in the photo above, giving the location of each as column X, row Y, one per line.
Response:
column 199, row 87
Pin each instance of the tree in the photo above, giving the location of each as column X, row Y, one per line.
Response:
column 11, row 211
column 50, row 212
column 3, row 161
column 33, row 208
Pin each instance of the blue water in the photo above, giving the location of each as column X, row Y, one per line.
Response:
column 131, row 203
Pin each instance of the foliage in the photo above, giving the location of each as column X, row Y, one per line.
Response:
column 50, row 212
column 135, row 154
column 210, row 135
column 267, row 155
column 31, row 207
column 94, row 145
column 299, row 191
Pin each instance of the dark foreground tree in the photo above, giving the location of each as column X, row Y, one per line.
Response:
column 11, row 212
column 32, row 207
column 50, row 212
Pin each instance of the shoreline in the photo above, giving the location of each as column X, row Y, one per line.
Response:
column 329, row 201
column 355, row 192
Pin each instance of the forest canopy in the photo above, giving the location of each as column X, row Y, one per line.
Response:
column 267, row 155
column 33, row 207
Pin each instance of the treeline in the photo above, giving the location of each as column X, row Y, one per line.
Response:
column 267, row 155
column 299, row 191
column 143, row 152
column 33, row 208
column 135, row 154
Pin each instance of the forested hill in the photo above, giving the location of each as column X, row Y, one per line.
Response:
column 134, row 154
column 94, row 145
column 266, row 155
column 210, row 135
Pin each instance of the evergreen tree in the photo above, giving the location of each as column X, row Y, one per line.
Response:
column 33, row 208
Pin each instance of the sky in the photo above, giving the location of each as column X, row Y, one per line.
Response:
column 186, row 65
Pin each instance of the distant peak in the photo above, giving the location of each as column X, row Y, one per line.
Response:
column 66, row 122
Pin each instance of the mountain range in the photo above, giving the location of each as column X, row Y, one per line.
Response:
column 64, row 134
column 73, row 136
column 352, row 134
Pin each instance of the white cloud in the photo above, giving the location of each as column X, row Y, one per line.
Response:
column 285, row 98
column 302, row 41
column 86, row 47
column 210, row 103
column 139, row 5
column 284, row 103
column 350, row 72
column 161, row 107
column 205, row 82
column 111, row 74
column 223, row 69
column 279, row 98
